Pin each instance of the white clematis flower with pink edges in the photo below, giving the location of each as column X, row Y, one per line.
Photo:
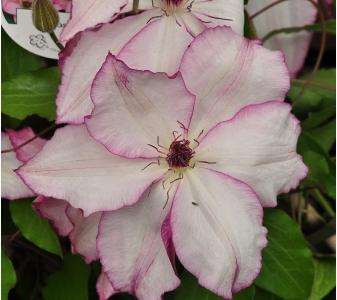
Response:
column 181, row 165
column 67, row 220
column 294, row 13
column 12, row 186
column 154, row 40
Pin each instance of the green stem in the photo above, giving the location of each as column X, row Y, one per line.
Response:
column 316, row 83
column 56, row 40
column 287, row 30
column 323, row 202
column 135, row 6
column 31, row 139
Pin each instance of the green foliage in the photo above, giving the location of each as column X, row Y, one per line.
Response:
column 70, row 283
column 311, row 99
column 320, row 165
column 261, row 294
column 325, row 278
column 317, row 110
column 190, row 289
column 31, row 93
column 325, row 135
column 246, row 294
column 283, row 272
column 249, row 28
column 330, row 27
column 16, row 60
column 8, row 276
column 33, row 228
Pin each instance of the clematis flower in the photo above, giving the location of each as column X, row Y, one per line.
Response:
column 10, row 6
column 183, row 163
column 295, row 13
column 64, row 5
column 82, row 232
column 153, row 40
column 67, row 220
column 12, row 186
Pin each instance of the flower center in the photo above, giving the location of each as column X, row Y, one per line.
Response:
column 26, row 4
column 171, row 7
column 173, row 2
column 179, row 154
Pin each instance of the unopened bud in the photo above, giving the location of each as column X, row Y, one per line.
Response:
column 45, row 16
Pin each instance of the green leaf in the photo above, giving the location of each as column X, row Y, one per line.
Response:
column 321, row 167
column 246, row 294
column 16, row 60
column 325, row 278
column 330, row 27
column 319, row 173
column 287, row 266
column 249, row 28
column 312, row 98
column 31, row 93
column 325, row 135
column 261, row 294
column 327, row 110
column 190, row 289
column 8, row 276
column 70, row 283
column 33, row 228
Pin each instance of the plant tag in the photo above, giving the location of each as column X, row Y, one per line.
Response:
column 21, row 29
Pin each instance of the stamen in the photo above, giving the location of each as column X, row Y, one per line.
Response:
column 189, row 7
column 181, row 176
column 167, row 196
column 206, row 162
column 152, row 18
column 182, row 126
column 161, row 152
column 152, row 163
column 192, row 167
column 200, row 134
column 175, row 137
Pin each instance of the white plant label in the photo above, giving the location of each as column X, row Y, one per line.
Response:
column 24, row 33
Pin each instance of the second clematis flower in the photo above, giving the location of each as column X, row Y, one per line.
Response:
column 295, row 13
column 155, row 40
column 179, row 166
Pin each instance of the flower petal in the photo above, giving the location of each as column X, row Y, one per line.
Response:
column 88, row 51
column 258, row 146
column 12, row 186
column 104, row 288
column 162, row 44
column 26, row 152
column 89, row 13
column 74, row 167
column 54, row 210
column 84, row 233
column 131, row 248
column 217, row 230
column 294, row 13
column 218, row 12
column 133, row 108
column 226, row 72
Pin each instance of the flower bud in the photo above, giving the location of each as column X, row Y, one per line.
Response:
column 45, row 16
